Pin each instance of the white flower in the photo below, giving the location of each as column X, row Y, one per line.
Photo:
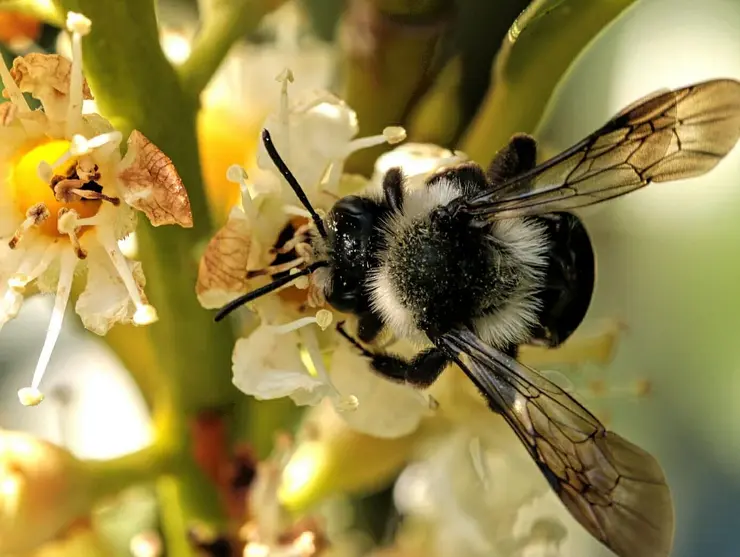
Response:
column 268, row 365
column 474, row 497
column 287, row 355
column 314, row 136
column 69, row 197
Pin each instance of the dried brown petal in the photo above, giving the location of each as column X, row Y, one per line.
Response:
column 38, row 71
column 222, row 274
column 151, row 184
column 7, row 113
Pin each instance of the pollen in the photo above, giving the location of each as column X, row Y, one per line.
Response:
column 31, row 186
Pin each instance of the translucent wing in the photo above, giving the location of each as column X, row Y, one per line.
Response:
column 613, row 488
column 667, row 136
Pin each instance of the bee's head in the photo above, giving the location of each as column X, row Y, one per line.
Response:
column 349, row 231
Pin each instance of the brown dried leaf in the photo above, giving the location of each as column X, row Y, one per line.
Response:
column 222, row 274
column 36, row 71
column 151, row 184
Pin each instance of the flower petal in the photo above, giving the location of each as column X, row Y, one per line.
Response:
column 149, row 182
column 47, row 78
column 416, row 160
column 317, row 132
column 386, row 409
column 11, row 301
column 267, row 365
column 105, row 300
column 222, row 273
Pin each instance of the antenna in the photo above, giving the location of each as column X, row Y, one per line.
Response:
column 259, row 292
column 292, row 182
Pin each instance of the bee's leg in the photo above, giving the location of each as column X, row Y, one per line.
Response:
column 393, row 188
column 519, row 155
column 421, row 371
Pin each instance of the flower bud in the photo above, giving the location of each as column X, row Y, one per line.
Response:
column 43, row 490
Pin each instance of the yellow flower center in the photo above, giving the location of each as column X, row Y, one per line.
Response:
column 29, row 189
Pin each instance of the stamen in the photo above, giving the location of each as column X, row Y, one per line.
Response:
column 600, row 389
column 67, row 223
column 23, row 277
column 342, row 403
column 95, row 196
column 10, row 304
column 285, row 77
column 477, row 457
column 14, row 92
column 145, row 313
column 390, row 135
column 65, row 190
column 298, row 237
column 78, row 25
column 237, row 175
column 35, row 216
column 80, row 145
column 31, row 396
column 323, row 319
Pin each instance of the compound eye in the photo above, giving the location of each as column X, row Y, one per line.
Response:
column 343, row 295
column 351, row 213
column 351, row 205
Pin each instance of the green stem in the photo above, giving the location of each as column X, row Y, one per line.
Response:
column 381, row 85
column 540, row 47
column 136, row 88
column 110, row 477
column 226, row 22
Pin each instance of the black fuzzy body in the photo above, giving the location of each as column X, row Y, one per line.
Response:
column 445, row 271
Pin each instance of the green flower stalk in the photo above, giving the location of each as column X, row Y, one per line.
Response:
column 391, row 53
column 182, row 363
column 541, row 45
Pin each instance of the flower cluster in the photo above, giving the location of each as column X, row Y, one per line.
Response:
column 294, row 351
column 69, row 197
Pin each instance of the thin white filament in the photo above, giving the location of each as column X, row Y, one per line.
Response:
column 68, row 262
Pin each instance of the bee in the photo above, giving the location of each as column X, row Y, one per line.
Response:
column 478, row 262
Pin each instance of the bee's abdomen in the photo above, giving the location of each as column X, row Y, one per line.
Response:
column 569, row 284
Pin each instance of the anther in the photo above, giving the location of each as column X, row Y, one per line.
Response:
column 35, row 216
column 299, row 236
column 69, row 190
column 237, row 175
column 78, row 23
